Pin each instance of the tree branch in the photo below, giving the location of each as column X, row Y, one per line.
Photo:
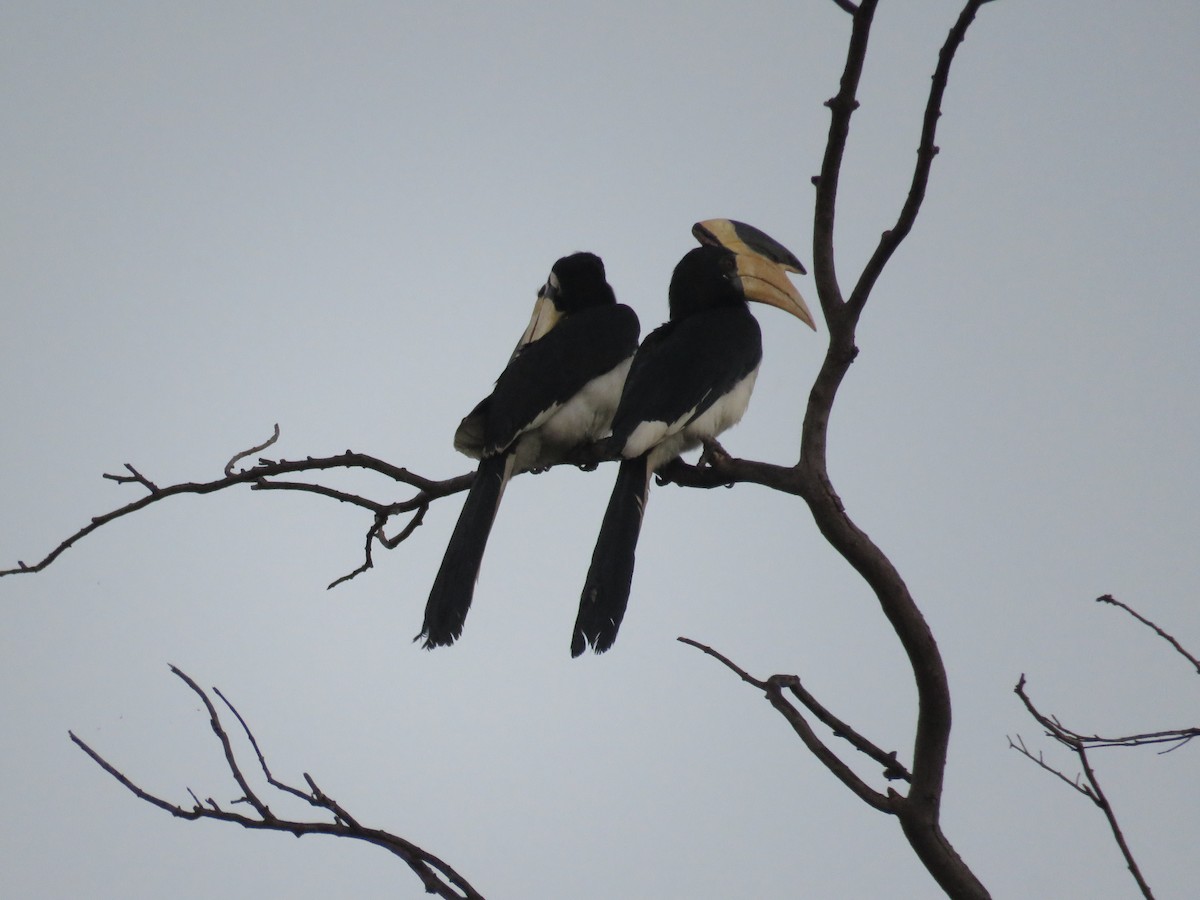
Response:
column 1078, row 745
column 927, row 149
column 773, row 689
column 258, row 448
column 919, row 811
column 436, row 876
column 1112, row 601
column 264, row 475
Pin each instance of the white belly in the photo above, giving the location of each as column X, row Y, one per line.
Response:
column 584, row 418
column 666, row 440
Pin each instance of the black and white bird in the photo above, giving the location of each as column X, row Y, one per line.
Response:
column 558, row 393
column 690, row 380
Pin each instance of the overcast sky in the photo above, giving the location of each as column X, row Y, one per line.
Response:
column 216, row 217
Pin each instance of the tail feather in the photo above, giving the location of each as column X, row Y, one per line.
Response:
column 454, row 586
column 606, row 590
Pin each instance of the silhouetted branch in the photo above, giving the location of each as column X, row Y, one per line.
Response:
column 1078, row 745
column 1040, row 760
column 437, row 877
column 265, row 475
column 927, row 149
column 774, row 687
column 919, row 810
column 258, row 448
column 1112, row 601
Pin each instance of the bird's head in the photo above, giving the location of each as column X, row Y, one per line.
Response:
column 736, row 262
column 576, row 282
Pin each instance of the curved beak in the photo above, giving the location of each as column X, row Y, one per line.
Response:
column 545, row 317
column 762, row 264
column 766, row 281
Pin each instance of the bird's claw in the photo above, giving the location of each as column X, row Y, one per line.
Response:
column 714, row 455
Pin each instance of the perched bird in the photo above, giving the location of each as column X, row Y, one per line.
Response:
column 557, row 393
column 690, row 380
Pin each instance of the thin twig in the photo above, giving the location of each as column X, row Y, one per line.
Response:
column 436, row 875
column 892, row 769
column 1077, row 744
column 1040, row 760
column 258, row 477
column 927, row 149
column 726, row 661
column 773, row 689
column 1112, row 601
column 258, row 448
column 230, row 759
column 134, row 476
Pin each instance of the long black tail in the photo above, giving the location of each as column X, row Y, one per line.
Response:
column 450, row 597
column 606, row 591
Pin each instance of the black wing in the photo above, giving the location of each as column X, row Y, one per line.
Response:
column 552, row 369
column 684, row 366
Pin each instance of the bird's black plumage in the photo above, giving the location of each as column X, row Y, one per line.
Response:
column 557, row 393
column 690, row 380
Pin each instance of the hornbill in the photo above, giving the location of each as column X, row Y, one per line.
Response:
column 557, row 393
column 690, row 380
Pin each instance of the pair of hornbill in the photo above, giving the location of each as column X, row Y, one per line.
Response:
column 578, row 377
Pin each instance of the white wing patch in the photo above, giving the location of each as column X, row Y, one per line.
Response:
column 725, row 412
column 665, row 441
column 585, row 417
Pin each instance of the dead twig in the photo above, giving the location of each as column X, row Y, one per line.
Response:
column 267, row 475
column 258, row 448
column 1077, row 744
column 773, row 689
column 436, row 876
column 1112, row 601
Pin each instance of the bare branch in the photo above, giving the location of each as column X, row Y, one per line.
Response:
column 134, row 476
column 258, row 448
column 728, row 663
column 846, row 6
column 919, row 812
column 1112, row 601
column 262, row 477
column 1118, row 835
column 927, row 149
column 436, row 876
column 1078, row 745
column 892, row 769
column 773, row 689
column 325, row 491
column 413, row 524
column 214, row 720
column 1039, row 760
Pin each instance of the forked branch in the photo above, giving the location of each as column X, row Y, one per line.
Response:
column 1079, row 744
column 437, row 876
column 773, row 689
column 1092, row 790
column 268, row 475
column 919, row 809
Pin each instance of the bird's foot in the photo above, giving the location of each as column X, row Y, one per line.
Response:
column 714, row 454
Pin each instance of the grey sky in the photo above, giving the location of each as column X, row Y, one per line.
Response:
column 335, row 217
